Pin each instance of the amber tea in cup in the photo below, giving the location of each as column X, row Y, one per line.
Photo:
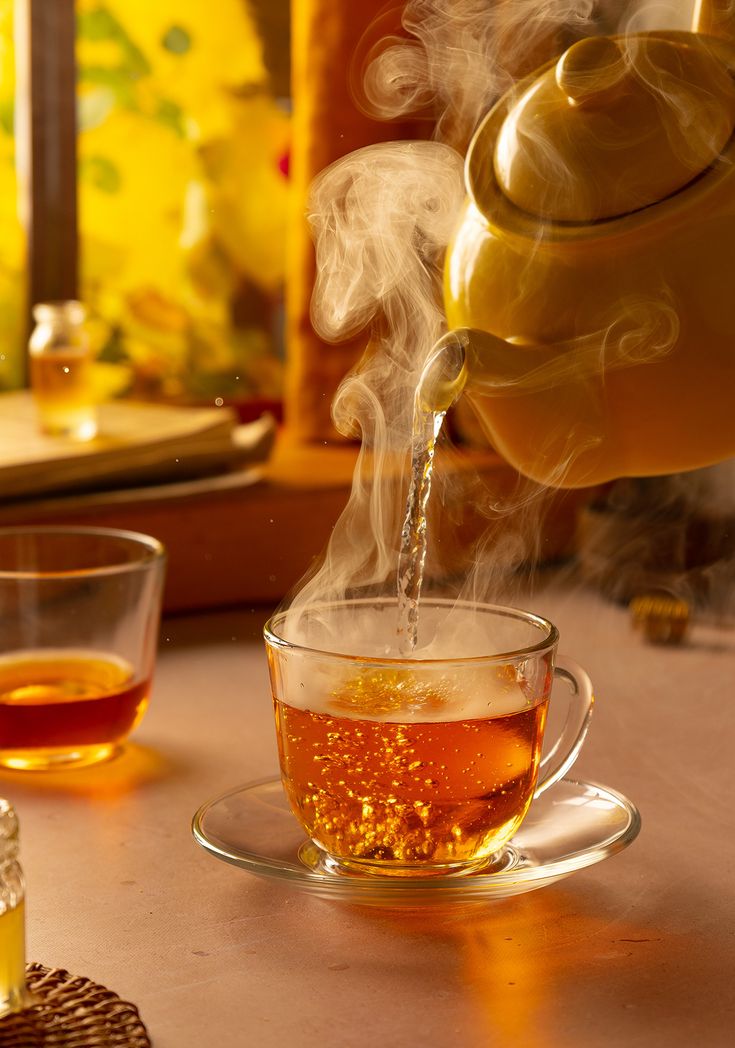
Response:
column 79, row 616
column 421, row 765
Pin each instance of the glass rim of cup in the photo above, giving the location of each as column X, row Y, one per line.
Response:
column 151, row 549
column 548, row 643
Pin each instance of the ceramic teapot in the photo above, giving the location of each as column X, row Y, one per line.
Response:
column 591, row 280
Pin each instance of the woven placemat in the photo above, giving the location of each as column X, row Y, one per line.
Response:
column 69, row 1011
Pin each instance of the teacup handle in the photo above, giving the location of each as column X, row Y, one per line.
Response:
column 565, row 750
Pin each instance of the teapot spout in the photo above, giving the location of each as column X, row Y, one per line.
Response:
column 444, row 376
column 468, row 358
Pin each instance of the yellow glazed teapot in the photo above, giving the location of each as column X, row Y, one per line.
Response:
column 590, row 283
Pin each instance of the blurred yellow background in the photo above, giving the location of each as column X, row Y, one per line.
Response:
column 182, row 184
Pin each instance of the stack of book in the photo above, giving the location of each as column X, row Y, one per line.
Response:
column 137, row 444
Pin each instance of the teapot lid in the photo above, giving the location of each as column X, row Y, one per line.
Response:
column 615, row 125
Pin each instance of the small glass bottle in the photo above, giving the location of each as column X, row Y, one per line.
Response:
column 13, row 994
column 61, row 370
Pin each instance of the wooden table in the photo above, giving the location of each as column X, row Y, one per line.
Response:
column 636, row 951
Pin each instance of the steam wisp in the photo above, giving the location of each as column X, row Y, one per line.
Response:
column 382, row 217
column 459, row 55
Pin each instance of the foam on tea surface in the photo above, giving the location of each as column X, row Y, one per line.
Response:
column 401, row 695
column 450, row 677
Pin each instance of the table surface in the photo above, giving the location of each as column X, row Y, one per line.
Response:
column 637, row 950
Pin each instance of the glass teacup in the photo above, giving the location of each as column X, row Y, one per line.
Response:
column 422, row 765
column 79, row 616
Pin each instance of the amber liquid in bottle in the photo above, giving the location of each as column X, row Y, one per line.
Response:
column 61, row 371
column 62, row 389
column 12, row 957
column 13, row 993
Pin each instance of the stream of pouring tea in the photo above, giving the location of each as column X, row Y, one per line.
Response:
column 412, row 558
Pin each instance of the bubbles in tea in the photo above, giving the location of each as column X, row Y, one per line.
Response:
column 391, row 769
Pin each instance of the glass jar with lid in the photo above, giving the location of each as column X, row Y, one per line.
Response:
column 13, row 994
column 61, row 370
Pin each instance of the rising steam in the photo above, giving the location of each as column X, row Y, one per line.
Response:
column 382, row 217
column 458, row 56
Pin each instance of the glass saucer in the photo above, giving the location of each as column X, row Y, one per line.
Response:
column 570, row 826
